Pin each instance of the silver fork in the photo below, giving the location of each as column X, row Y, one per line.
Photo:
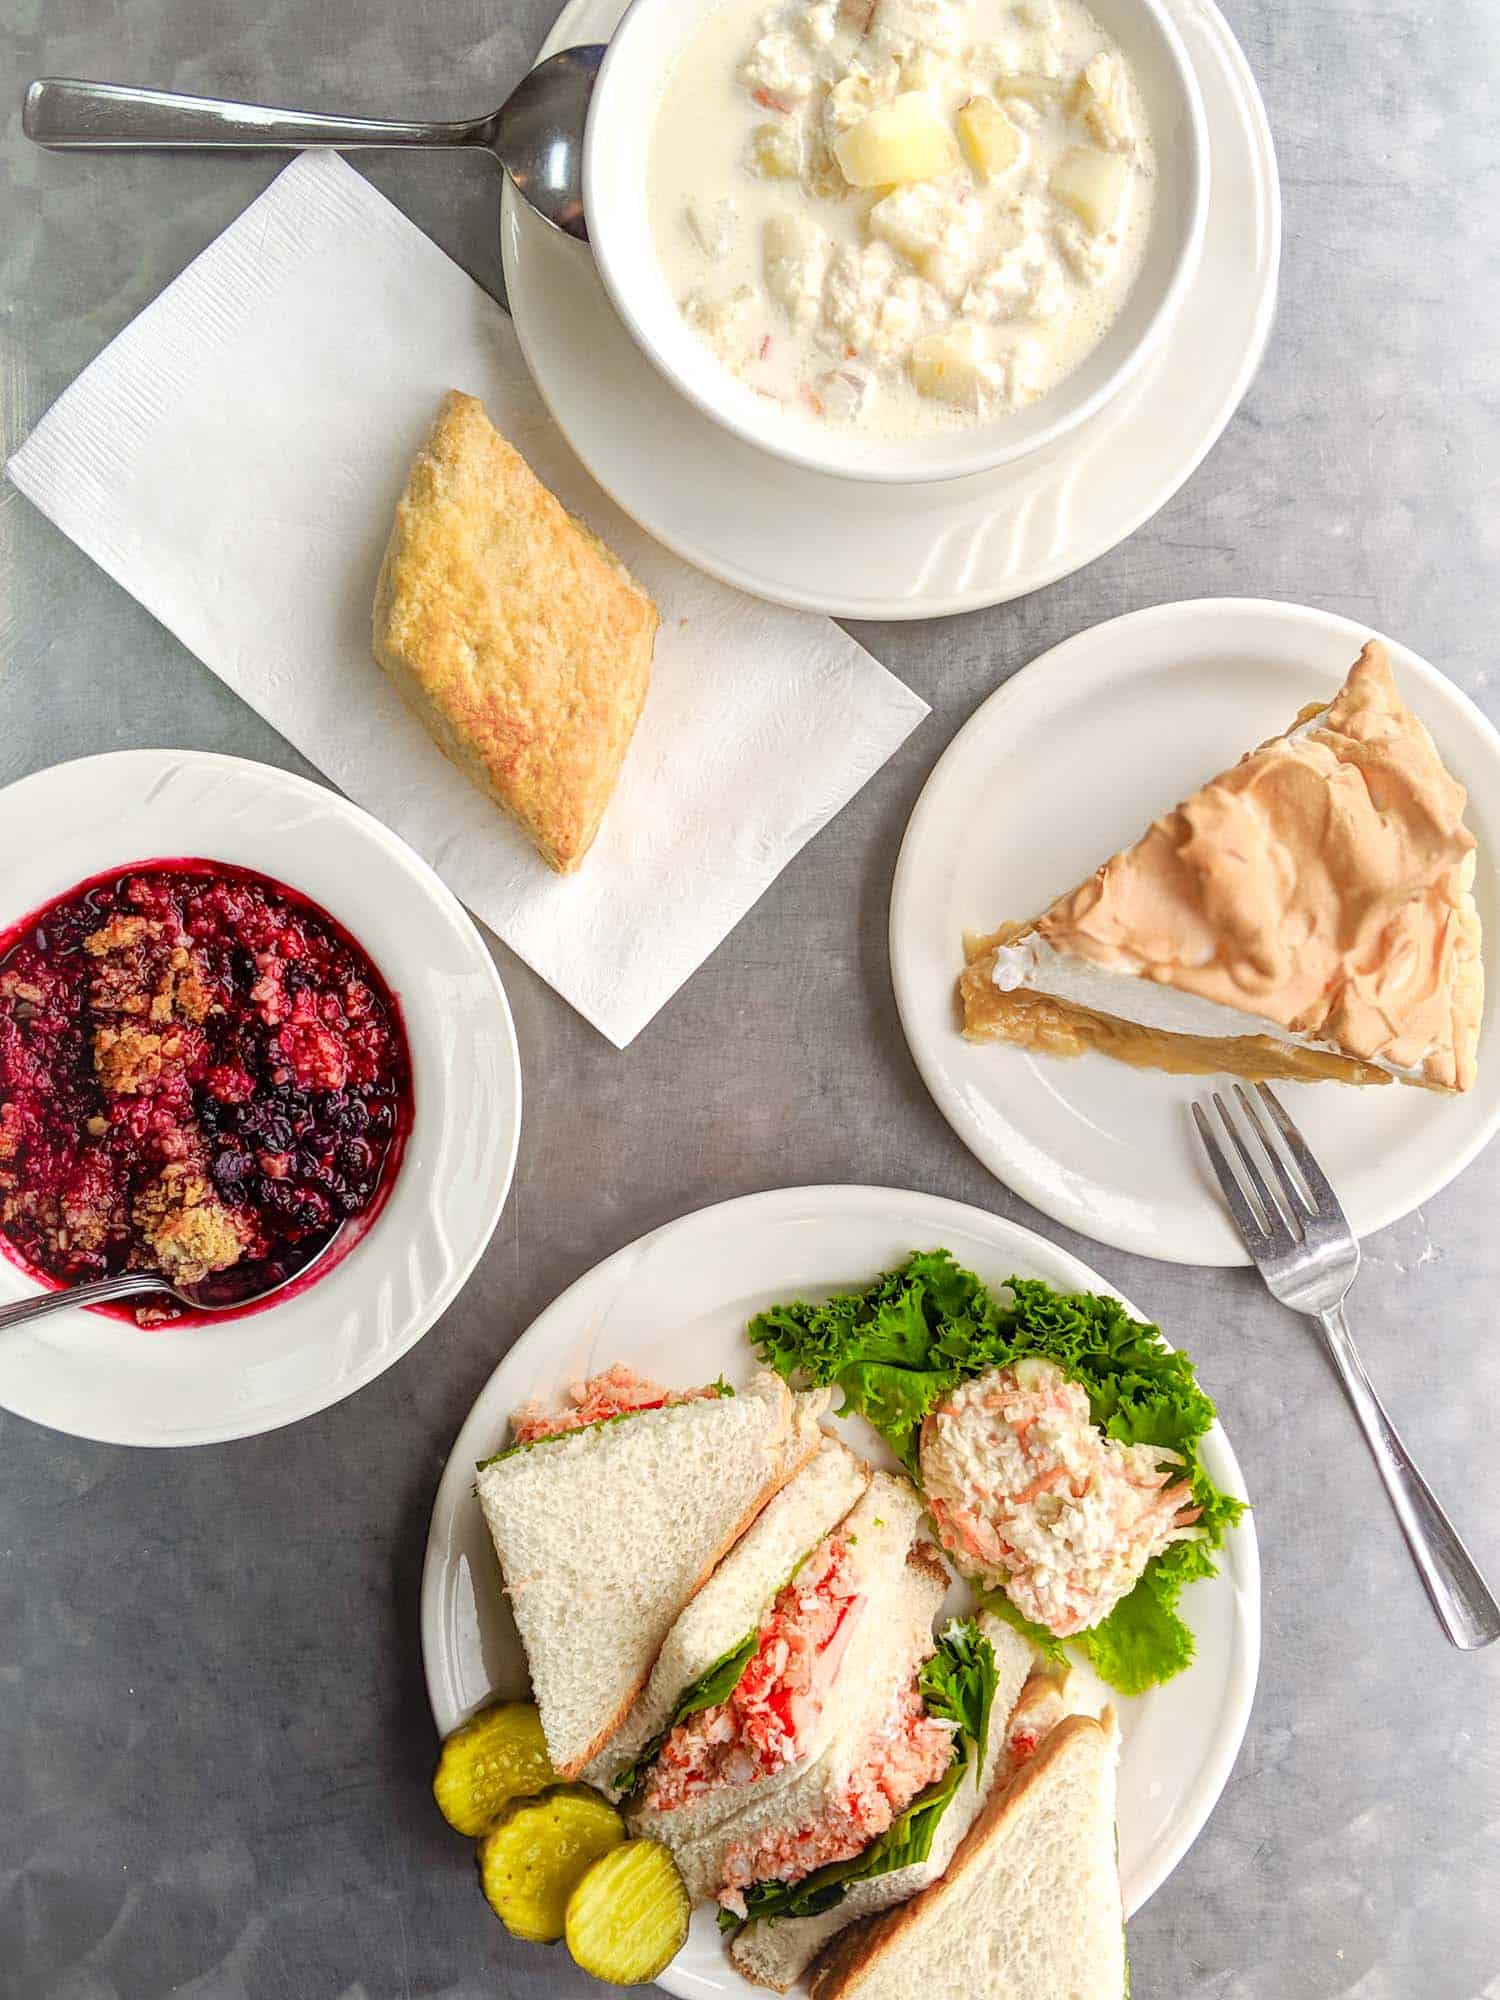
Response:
column 1303, row 1247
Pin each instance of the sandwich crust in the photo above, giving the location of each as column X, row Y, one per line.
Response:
column 817, row 1495
column 517, row 638
column 791, row 1464
column 594, row 1590
column 774, row 1953
column 842, row 1967
column 926, row 1558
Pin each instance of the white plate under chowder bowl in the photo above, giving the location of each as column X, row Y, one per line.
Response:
column 1070, row 761
column 104, row 1378
column 617, row 199
column 860, row 550
column 675, row 1305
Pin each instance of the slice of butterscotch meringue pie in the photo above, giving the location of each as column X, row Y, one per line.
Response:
column 1306, row 914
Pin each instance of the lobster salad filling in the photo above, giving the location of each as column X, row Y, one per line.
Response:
column 618, row 1392
column 910, row 1751
column 1030, row 1496
column 766, row 1721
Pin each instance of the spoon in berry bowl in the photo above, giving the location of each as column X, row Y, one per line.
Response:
column 220, row 1292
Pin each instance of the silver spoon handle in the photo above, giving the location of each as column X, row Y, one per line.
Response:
column 1463, row 1601
column 63, row 112
column 127, row 1285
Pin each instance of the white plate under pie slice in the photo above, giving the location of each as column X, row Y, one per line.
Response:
column 102, row 1377
column 675, row 1306
column 1068, row 762
column 861, row 550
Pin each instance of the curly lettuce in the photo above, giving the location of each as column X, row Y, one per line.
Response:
column 713, row 1686
column 895, row 1349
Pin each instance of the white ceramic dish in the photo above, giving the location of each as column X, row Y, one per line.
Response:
column 104, row 1378
column 675, row 1305
column 1064, row 764
column 865, row 551
column 621, row 123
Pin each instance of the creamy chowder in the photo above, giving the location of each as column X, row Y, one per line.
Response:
column 905, row 215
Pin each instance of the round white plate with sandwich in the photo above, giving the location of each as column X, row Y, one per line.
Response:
column 1062, row 769
column 864, row 549
column 675, row 1307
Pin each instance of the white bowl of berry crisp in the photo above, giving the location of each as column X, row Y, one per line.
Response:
column 250, row 1042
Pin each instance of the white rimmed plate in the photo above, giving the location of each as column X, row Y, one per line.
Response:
column 1068, row 762
column 103, row 1378
column 872, row 551
column 675, row 1305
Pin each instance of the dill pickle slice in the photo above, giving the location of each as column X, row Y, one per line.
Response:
column 628, row 1916
column 530, row 1861
column 498, row 1755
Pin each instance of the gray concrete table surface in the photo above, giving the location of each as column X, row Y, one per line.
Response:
column 214, row 1743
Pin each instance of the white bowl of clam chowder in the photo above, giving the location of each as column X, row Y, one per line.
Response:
column 899, row 240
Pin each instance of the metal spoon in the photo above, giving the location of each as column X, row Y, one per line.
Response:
column 536, row 135
column 136, row 1284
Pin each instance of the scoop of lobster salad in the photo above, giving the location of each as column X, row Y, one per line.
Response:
column 1054, row 1438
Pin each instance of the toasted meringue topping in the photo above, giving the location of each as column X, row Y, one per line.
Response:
column 1321, row 885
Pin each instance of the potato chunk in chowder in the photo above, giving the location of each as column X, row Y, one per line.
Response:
column 906, row 215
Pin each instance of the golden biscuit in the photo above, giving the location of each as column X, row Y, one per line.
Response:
column 514, row 634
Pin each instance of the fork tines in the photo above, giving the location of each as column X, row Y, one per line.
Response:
column 1266, row 1170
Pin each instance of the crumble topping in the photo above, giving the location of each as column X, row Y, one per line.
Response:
column 188, row 1227
column 126, row 1058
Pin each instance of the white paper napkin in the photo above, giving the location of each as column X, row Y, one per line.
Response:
column 234, row 460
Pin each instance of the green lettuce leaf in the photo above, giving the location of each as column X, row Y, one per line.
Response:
column 896, row 1348
column 958, row 1685
column 894, row 1400
column 1129, row 1647
column 905, row 1842
column 1051, row 1648
column 713, row 1686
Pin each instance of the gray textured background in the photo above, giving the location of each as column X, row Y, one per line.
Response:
column 214, row 1747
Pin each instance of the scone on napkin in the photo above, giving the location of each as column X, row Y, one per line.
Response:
column 515, row 635
column 191, row 436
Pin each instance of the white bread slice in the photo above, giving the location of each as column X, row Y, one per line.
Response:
column 737, row 1597
column 1030, row 1906
column 905, row 1580
column 778, row 1952
column 603, row 1535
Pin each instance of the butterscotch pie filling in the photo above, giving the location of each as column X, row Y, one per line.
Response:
column 1051, row 1026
